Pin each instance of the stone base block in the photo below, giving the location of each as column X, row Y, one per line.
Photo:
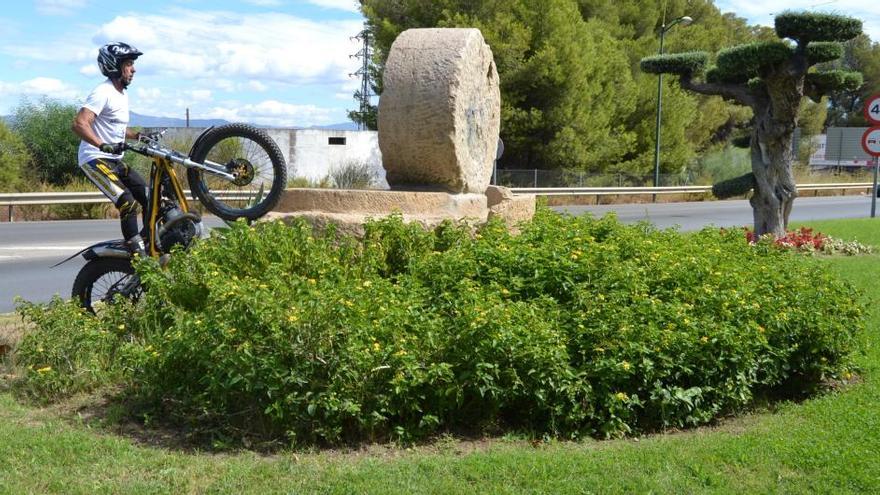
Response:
column 512, row 209
column 350, row 209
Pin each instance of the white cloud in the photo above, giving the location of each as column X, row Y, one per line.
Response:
column 257, row 86
column 90, row 70
column 761, row 12
column 148, row 94
column 261, row 47
column 59, row 7
column 349, row 5
column 274, row 113
column 42, row 86
column 198, row 95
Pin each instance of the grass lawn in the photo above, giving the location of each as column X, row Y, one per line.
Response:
column 829, row 444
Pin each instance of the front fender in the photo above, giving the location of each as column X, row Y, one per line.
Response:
column 104, row 249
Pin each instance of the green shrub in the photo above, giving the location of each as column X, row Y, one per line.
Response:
column 15, row 161
column 575, row 327
column 815, row 26
column 353, row 174
column 45, row 129
column 67, row 351
column 688, row 63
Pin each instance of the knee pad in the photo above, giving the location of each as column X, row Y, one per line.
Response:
column 127, row 205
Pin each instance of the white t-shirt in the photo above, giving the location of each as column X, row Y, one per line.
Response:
column 111, row 119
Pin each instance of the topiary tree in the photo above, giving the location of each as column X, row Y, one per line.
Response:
column 772, row 78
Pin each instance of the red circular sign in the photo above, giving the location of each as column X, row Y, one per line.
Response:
column 872, row 109
column 871, row 141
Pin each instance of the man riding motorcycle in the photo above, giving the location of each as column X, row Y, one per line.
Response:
column 102, row 124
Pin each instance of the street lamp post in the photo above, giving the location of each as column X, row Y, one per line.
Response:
column 684, row 21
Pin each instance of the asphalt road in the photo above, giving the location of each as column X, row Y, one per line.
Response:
column 29, row 249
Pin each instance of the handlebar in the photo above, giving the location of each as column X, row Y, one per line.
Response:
column 148, row 145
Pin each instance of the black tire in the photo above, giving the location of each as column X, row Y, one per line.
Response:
column 100, row 279
column 253, row 153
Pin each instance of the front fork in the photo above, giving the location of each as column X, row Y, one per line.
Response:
column 162, row 178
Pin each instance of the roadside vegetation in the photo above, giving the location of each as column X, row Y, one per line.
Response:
column 184, row 377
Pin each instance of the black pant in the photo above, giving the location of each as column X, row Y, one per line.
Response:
column 124, row 187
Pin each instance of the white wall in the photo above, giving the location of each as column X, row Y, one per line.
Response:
column 309, row 154
column 313, row 157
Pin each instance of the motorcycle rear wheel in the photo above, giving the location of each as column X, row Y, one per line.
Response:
column 255, row 159
column 100, row 280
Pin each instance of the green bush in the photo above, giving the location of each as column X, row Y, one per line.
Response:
column 45, row 129
column 835, row 80
column 15, row 161
column 575, row 327
column 688, row 63
column 815, row 26
column 68, row 351
column 751, row 58
column 824, row 51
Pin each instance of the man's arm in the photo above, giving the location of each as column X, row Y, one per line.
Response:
column 82, row 127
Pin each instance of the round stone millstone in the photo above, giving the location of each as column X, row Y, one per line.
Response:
column 440, row 110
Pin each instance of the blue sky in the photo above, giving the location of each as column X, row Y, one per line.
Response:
column 272, row 62
column 762, row 11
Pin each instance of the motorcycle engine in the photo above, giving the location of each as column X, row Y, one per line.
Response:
column 176, row 228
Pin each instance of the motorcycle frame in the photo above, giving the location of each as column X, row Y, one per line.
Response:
column 162, row 169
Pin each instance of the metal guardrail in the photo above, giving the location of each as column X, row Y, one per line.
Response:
column 55, row 198
column 12, row 200
column 629, row 191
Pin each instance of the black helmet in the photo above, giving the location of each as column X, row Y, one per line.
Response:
column 111, row 55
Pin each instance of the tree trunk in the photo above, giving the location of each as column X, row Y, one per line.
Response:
column 772, row 158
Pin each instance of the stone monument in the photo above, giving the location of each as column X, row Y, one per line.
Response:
column 439, row 121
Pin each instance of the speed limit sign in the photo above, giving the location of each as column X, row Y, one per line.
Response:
column 872, row 109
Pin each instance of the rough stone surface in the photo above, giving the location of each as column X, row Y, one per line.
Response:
column 350, row 209
column 512, row 209
column 440, row 110
column 497, row 194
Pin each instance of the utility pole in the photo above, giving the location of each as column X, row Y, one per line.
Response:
column 364, row 94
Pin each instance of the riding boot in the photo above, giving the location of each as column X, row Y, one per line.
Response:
column 136, row 246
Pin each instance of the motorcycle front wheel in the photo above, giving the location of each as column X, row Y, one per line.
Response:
column 101, row 279
column 253, row 158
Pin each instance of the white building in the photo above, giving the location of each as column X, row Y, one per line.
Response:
column 313, row 153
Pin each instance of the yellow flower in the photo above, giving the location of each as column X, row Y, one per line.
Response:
column 264, row 286
column 313, row 281
column 367, row 283
column 622, row 397
column 44, row 370
column 704, row 339
column 121, row 327
column 292, row 318
column 376, row 346
column 625, row 365
column 400, row 353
